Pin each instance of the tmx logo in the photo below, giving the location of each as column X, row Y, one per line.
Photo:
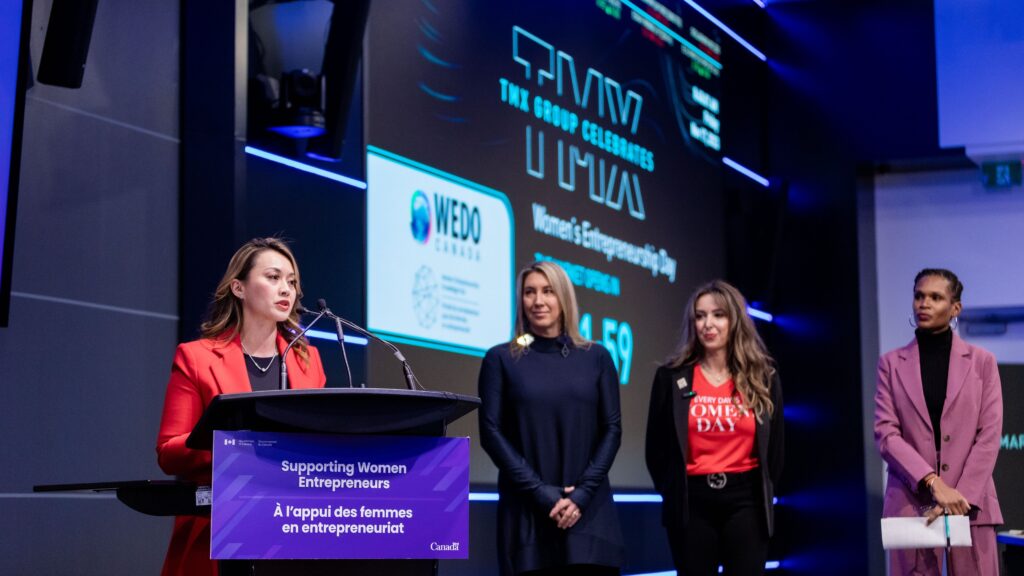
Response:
column 536, row 55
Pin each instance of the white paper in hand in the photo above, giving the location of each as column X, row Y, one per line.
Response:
column 911, row 532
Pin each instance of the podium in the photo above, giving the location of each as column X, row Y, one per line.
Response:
column 350, row 411
column 382, row 411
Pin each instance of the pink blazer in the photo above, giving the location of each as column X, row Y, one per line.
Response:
column 971, row 425
column 203, row 369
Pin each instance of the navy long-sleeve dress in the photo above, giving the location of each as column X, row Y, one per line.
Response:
column 550, row 419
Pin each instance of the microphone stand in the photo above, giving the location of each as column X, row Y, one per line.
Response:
column 411, row 382
column 339, row 330
column 341, row 342
column 284, row 356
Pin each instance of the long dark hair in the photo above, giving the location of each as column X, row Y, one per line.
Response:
column 749, row 362
column 224, row 317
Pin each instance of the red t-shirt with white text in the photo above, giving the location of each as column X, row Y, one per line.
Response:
column 721, row 433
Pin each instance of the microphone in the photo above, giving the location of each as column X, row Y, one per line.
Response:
column 284, row 355
column 411, row 382
column 341, row 337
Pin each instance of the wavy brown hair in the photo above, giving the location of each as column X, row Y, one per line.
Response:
column 748, row 359
column 224, row 317
column 566, row 294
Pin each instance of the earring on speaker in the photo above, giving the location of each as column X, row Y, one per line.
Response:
column 912, row 320
column 954, row 323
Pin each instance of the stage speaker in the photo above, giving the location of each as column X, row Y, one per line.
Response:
column 67, row 43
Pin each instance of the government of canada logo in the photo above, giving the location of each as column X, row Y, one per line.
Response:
column 420, row 217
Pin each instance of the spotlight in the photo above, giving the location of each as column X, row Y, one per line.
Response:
column 303, row 69
column 299, row 111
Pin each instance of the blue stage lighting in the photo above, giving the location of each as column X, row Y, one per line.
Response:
column 760, row 55
column 759, row 314
column 305, row 167
column 319, row 334
column 745, row 171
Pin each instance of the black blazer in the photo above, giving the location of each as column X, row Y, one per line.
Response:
column 667, row 434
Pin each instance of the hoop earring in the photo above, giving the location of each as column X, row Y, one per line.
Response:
column 954, row 323
column 912, row 320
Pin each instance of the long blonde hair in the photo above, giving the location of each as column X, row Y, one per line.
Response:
column 566, row 294
column 224, row 317
column 749, row 362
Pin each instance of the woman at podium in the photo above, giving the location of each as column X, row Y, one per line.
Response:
column 550, row 421
column 938, row 425
column 250, row 321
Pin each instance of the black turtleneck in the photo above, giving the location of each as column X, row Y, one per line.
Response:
column 935, row 349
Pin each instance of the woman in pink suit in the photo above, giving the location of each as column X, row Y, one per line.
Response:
column 938, row 423
column 252, row 318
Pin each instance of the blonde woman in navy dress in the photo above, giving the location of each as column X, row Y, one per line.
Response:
column 550, row 421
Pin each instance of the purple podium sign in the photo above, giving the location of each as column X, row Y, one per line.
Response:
column 311, row 496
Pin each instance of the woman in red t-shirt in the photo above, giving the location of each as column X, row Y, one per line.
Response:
column 714, row 438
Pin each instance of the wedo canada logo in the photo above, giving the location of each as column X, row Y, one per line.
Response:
column 419, row 210
column 455, row 224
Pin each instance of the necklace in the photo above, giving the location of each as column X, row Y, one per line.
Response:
column 715, row 378
column 256, row 364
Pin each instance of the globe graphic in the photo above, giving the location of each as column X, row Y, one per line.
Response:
column 420, row 223
column 424, row 297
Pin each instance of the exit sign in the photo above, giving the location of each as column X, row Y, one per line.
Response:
column 1001, row 174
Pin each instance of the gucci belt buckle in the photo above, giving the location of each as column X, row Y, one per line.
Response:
column 717, row 480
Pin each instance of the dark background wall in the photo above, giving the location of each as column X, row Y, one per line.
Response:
column 95, row 310
column 853, row 85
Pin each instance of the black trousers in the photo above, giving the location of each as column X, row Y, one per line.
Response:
column 726, row 528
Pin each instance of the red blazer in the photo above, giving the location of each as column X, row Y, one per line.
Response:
column 971, row 424
column 203, row 369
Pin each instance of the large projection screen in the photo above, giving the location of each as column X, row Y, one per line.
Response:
column 502, row 133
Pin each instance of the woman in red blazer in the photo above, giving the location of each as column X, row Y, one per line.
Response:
column 251, row 319
column 938, row 423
